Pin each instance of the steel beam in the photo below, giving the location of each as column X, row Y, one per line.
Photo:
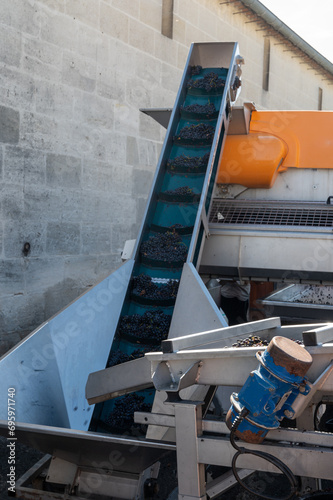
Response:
column 225, row 482
column 191, row 481
column 292, row 436
column 230, row 367
column 227, row 335
column 117, row 380
column 310, row 461
column 318, row 335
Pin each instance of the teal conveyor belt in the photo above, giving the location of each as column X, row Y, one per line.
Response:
column 170, row 235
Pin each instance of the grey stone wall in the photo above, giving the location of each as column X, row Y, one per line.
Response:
column 76, row 155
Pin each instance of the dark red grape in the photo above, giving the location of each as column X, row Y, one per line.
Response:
column 166, row 247
column 209, row 82
column 206, row 109
column 151, row 327
column 190, row 162
column 143, row 286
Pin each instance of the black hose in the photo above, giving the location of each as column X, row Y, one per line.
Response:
column 266, row 456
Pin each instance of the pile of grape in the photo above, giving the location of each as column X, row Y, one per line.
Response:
column 196, row 70
column 189, row 162
column 150, row 328
column 193, row 133
column 252, row 341
column 209, row 82
column 144, row 287
column 118, row 357
column 255, row 341
column 206, row 109
column 166, row 247
column 180, row 191
column 122, row 416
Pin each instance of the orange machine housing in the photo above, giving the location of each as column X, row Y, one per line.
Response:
column 276, row 141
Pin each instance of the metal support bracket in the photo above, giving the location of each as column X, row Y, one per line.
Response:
column 302, row 401
column 166, row 379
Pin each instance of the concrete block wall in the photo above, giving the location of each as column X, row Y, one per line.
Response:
column 76, row 155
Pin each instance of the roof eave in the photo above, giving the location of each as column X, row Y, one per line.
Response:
column 276, row 23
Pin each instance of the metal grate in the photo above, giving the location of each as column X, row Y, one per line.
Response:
column 271, row 213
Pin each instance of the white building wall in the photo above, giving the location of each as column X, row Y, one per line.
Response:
column 76, row 155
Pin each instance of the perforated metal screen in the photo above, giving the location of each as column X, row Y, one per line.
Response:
column 271, row 213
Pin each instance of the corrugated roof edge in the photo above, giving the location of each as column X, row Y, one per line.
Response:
column 288, row 33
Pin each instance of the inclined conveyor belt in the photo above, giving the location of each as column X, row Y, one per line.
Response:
column 49, row 368
column 172, row 216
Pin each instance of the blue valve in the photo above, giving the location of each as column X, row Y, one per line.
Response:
column 270, row 390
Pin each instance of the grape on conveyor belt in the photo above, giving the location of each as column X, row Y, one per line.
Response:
column 118, row 357
column 208, row 82
column 150, row 327
column 207, row 109
column 196, row 70
column 182, row 191
column 167, row 247
column 143, row 286
column 201, row 131
column 191, row 162
column 122, row 416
